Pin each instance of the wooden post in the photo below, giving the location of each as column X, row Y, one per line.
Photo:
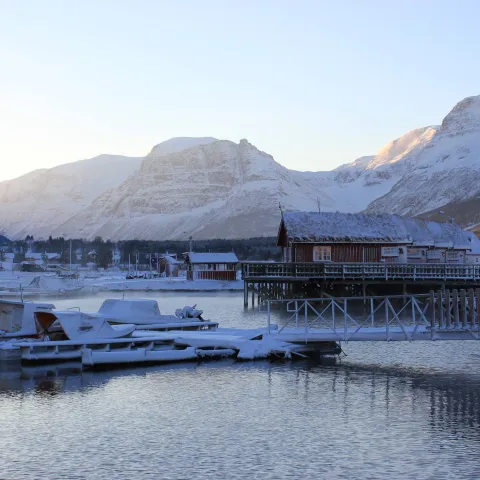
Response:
column 432, row 309
column 448, row 308
column 441, row 311
column 477, row 307
column 245, row 293
column 463, row 308
column 471, row 307
column 456, row 315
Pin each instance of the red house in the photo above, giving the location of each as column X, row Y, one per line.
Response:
column 211, row 266
column 347, row 237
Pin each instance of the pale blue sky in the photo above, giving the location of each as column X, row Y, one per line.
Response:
column 314, row 83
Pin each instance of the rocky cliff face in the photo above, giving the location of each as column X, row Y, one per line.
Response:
column 220, row 189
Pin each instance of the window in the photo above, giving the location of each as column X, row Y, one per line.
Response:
column 322, row 254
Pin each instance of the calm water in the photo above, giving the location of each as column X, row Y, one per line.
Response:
column 384, row 411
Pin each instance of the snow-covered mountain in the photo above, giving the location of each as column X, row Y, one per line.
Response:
column 213, row 188
column 220, row 189
column 40, row 201
column 445, row 170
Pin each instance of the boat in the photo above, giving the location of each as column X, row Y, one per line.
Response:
column 17, row 319
column 80, row 327
column 108, row 330
column 144, row 313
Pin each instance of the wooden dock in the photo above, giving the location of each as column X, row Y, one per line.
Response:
column 438, row 315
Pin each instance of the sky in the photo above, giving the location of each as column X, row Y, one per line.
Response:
column 314, row 83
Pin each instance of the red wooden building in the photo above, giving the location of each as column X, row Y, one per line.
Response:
column 346, row 238
column 211, row 266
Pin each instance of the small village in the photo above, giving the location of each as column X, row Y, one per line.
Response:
column 333, row 259
column 320, row 253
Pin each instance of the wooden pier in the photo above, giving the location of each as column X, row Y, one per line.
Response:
column 268, row 280
column 438, row 315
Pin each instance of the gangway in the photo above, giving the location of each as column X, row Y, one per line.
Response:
column 440, row 315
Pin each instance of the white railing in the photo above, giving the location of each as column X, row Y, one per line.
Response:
column 386, row 318
column 361, row 271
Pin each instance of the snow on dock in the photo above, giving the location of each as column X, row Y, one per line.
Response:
column 157, row 347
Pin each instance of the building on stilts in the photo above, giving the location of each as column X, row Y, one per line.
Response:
column 344, row 254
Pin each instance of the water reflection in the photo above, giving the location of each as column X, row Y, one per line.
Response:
column 388, row 410
column 453, row 400
column 261, row 405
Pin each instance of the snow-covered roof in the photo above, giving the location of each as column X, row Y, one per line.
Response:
column 170, row 259
column 228, row 257
column 474, row 243
column 324, row 227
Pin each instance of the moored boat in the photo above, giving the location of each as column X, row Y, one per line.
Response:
column 145, row 314
column 17, row 319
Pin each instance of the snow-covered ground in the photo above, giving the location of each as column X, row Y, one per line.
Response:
column 180, row 284
column 13, row 281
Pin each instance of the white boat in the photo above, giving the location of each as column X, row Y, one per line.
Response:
column 17, row 319
column 144, row 313
column 107, row 329
column 82, row 327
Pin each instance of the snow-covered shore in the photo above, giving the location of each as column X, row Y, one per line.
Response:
column 11, row 282
column 178, row 284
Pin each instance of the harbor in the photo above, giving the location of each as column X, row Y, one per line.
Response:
column 128, row 331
